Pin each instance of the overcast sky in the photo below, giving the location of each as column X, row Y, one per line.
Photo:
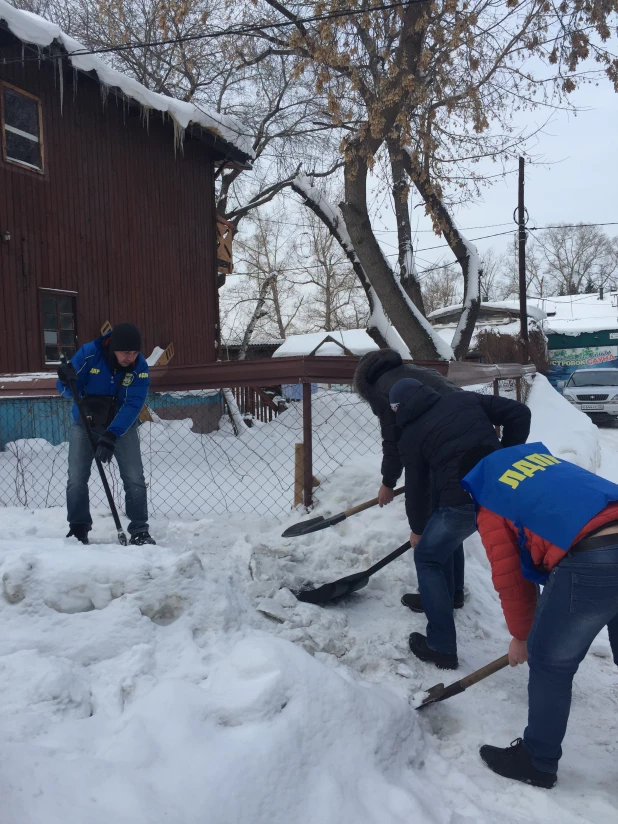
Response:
column 581, row 185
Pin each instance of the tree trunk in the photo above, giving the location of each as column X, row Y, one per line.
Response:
column 415, row 330
column 258, row 313
column 463, row 250
column 407, row 270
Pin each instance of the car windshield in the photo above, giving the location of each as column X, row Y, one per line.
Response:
column 589, row 377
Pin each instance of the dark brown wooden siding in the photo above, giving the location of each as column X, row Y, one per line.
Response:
column 117, row 216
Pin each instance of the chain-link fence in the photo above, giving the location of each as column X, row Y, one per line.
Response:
column 197, row 461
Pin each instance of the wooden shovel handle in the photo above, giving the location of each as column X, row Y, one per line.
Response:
column 369, row 504
column 483, row 672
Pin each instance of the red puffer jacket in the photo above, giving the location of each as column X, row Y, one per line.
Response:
column 518, row 595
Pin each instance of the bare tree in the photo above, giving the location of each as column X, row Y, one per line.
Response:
column 334, row 298
column 538, row 283
column 576, row 255
column 494, row 276
column 264, row 298
column 442, row 286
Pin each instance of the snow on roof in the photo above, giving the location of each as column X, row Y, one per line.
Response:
column 574, row 314
column 356, row 340
column 502, row 326
column 30, row 28
column 510, row 306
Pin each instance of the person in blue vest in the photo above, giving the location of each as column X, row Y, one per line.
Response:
column 545, row 521
column 436, row 432
column 112, row 380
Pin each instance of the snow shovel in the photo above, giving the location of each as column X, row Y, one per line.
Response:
column 441, row 693
column 315, row 524
column 347, row 585
column 122, row 538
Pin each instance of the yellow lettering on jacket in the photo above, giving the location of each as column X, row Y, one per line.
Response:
column 526, row 467
column 143, row 375
column 512, row 478
column 95, row 371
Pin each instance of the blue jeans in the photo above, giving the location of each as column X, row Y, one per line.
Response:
column 580, row 598
column 434, row 557
column 459, row 564
column 128, row 456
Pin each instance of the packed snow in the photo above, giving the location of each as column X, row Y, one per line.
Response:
column 182, row 683
column 33, row 29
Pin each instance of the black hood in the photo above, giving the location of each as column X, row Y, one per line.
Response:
column 371, row 367
column 417, row 400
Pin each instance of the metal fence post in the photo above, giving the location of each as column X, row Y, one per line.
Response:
column 497, row 392
column 307, row 446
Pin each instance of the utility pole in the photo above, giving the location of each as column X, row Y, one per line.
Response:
column 522, row 219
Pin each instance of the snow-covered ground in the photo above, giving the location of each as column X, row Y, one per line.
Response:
column 179, row 683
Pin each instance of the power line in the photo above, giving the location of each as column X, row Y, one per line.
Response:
column 442, row 246
column 232, row 30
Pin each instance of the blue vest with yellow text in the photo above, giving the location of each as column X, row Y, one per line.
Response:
column 549, row 496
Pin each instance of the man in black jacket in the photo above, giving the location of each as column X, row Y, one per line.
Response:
column 436, row 434
column 376, row 373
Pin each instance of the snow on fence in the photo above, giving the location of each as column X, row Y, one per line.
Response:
column 196, row 462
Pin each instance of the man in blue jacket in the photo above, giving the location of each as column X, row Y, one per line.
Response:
column 112, row 380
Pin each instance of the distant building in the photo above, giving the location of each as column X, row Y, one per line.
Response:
column 581, row 330
column 501, row 317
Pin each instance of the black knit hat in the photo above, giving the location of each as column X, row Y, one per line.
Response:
column 125, row 337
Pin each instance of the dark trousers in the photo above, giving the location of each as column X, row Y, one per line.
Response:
column 128, row 456
column 580, row 598
column 434, row 557
column 459, row 565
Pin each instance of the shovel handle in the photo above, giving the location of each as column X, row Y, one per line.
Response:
column 369, row 504
column 484, row 672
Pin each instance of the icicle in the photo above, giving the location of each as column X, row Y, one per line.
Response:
column 38, row 49
column 104, row 91
column 61, row 79
column 179, row 137
column 23, row 53
column 145, row 110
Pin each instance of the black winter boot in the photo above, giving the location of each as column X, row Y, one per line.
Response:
column 412, row 600
column 516, row 762
column 442, row 660
column 141, row 538
column 79, row 531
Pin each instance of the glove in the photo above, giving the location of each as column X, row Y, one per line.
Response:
column 105, row 447
column 66, row 372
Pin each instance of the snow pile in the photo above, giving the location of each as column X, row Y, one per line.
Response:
column 146, row 689
column 30, row 28
column 357, row 341
column 564, row 430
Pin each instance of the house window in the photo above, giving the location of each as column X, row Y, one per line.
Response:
column 21, row 128
column 59, row 334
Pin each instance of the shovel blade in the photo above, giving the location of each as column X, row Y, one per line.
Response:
column 334, row 590
column 312, row 525
column 433, row 694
